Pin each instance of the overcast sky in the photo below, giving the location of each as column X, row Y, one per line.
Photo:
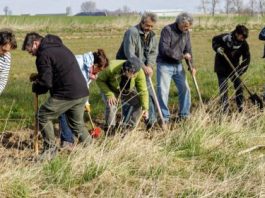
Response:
column 59, row 6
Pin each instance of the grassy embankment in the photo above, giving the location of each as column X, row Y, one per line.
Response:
column 196, row 159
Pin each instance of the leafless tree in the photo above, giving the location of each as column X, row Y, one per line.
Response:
column 6, row 9
column 261, row 6
column 238, row 5
column 252, row 7
column 228, row 6
column 126, row 9
column 213, row 6
column 88, row 6
column 68, row 10
column 204, row 6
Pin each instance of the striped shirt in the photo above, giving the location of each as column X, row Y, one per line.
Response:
column 5, row 62
column 85, row 62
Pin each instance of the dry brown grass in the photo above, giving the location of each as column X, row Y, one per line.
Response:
column 197, row 158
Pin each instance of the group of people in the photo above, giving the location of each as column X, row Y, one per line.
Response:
column 126, row 80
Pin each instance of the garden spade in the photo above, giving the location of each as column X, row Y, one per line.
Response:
column 195, row 82
column 36, row 124
column 163, row 125
column 95, row 132
column 255, row 99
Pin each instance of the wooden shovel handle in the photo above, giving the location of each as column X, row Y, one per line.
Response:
column 36, row 127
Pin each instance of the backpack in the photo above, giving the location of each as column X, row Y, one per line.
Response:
column 262, row 34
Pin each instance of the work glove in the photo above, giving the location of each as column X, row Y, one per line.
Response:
column 220, row 50
column 36, row 88
column 33, row 77
column 87, row 107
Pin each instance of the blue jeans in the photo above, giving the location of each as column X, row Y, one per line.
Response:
column 166, row 72
column 65, row 131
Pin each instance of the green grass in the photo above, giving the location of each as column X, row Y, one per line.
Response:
column 18, row 190
column 197, row 158
column 18, row 90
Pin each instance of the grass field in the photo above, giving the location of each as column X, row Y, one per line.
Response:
column 198, row 158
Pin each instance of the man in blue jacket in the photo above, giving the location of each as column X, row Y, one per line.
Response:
column 58, row 73
column 174, row 46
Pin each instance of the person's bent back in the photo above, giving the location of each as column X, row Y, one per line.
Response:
column 57, row 69
column 59, row 73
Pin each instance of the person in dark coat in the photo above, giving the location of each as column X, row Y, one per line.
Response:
column 58, row 73
column 235, row 46
column 174, row 47
column 262, row 38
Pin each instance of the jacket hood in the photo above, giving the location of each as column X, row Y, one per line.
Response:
column 138, row 26
column 50, row 41
column 176, row 28
column 231, row 42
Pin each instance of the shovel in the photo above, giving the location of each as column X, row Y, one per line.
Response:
column 255, row 99
column 195, row 82
column 36, row 127
column 95, row 132
column 157, row 104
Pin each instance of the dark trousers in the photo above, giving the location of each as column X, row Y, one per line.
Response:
column 131, row 109
column 52, row 109
column 65, row 131
column 223, row 91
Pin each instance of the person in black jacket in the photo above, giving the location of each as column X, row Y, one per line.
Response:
column 235, row 46
column 262, row 38
column 58, row 73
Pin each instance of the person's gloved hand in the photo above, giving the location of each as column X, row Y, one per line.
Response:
column 34, row 88
column 33, row 77
column 87, row 107
column 220, row 50
column 38, row 89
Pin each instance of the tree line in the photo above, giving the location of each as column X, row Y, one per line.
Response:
column 240, row 7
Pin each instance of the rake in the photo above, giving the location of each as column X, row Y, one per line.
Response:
column 36, row 127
